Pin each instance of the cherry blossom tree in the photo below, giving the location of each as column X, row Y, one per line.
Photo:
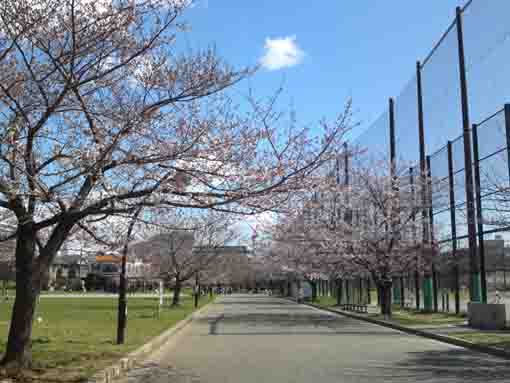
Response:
column 299, row 247
column 380, row 232
column 188, row 251
column 369, row 227
column 233, row 266
column 100, row 111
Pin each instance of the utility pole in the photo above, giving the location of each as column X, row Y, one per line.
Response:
column 474, row 290
column 428, row 285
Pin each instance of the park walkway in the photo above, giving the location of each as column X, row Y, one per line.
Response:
column 248, row 339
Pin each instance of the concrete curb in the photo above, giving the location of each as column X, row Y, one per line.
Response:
column 127, row 363
column 441, row 338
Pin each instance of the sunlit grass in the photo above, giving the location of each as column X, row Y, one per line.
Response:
column 326, row 301
column 492, row 339
column 406, row 317
column 419, row 318
column 75, row 337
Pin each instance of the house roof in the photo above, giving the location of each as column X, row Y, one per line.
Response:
column 108, row 258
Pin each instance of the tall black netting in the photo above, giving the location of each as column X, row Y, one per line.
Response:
column 486, row 34
column 487, row 46
column 406, row 124
column 373, row 144
column 441, row 90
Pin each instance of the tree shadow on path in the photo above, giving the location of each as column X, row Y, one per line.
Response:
column 302, row 323
column 457, row 365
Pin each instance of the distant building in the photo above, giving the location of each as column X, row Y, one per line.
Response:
column 107, row 265
column 7, row 260
column 69, row 267
column 110, row 264
column 230, row 265
column 497, row 256
column 497, row 265
column 158, row 247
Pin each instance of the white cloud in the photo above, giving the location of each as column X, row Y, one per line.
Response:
column 281, row 53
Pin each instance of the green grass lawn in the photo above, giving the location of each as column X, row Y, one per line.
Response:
column 76, row 337
column 418, row 318
column 492, row 339
column 325, row 301
column 406, row 317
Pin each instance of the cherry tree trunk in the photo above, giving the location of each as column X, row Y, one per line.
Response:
column 339, row 292
column 28, row 287
column 379, row 296
column 385, row 292
column 176, row 300
column 314, row 291
column 122, row 305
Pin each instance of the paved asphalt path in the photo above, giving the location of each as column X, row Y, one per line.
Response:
column 260, row 339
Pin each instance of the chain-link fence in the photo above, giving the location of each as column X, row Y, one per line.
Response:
column 454, row 107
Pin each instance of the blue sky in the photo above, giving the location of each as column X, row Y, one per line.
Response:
column 366, row 49
column 327, row 51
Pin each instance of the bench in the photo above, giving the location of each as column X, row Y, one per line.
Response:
column 362, row 309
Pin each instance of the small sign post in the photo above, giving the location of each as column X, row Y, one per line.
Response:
column 160, row 294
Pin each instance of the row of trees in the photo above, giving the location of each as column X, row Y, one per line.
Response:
column 101, row 115
column 370, row 224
